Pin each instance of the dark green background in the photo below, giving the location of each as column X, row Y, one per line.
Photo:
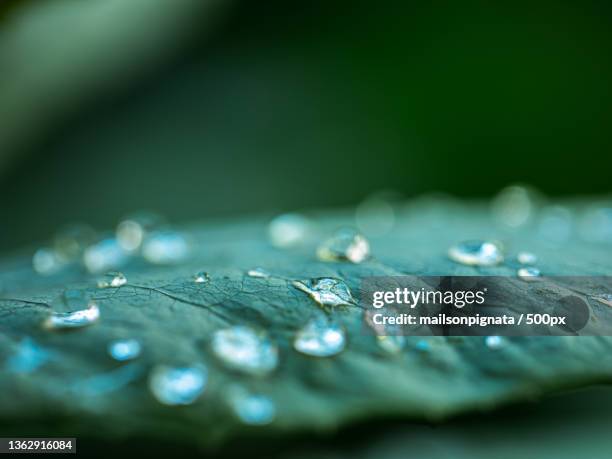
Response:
column 281, row 106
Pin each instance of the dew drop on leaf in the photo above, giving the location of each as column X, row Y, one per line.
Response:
column 112, row 279
column 74, row 319
column 529, row 274
column 251, row 409
column 201, row 277
column 526, row 258
column 476, row 253
column 258, row 272
column 327, row 291
column 178, row 385
column 345, row 245
column 494, row 342
column 245, row 349
column 124, row 349
column 320, row 337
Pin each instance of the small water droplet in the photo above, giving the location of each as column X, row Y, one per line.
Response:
column 529, row 274
column 288, row 230
column 132, row 231
column 513, row 206
column 73, row 319
column 28, row 357
column 178, row 385
column 326, row 291
column 112, row 279
column 393, row 344
column 201, row 277
column 320, row 337
column 345, row 245
column 258, row 272
column 526, row 258
column 124, row 349
column 165, row 248
column 477, row 253
column 605, row 298
column 106, row 255
column 46, row 261
column 252, row 409
column 494, row 342
column 244, row 349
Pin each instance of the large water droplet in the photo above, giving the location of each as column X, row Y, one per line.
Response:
column 244, row 349
column 252, row 409
column 28, row 357
column 132, row 231
column 526, row 258
column 320, row 337
column 106, row 255
column 529, row 274
column 124, row 349
column 326, row 291
column 112, row 279
column 165, row 248
column 477, row 253
column 288, row 230
column 345, row 245
column 201, row 277
column 178, row 385
column 46, row 261
column 258, row 272
column 73, row 319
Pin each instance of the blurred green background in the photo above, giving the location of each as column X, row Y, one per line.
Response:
column 210, row 109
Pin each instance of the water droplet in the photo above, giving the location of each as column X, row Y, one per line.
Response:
column 106, row 255
column 112, row 279
column 526, row 258
column 320, row 337
column 201, row 277
column 606, row 298
column 393, row 344
column 73, row 319
column 244, row 349
column 178, row 385
column 132, row 231
column 288, row 230
column 70, row 242
column 252, row 409
column 476, row 253
column 124, row 349
column 165, row 248
column 258, row 272
column 326, row 291
column 345, row 245
column 529, row 274
column 28, row 357
column 513, row 206
column 376, row 216
column 494, row 342
column 46, row 261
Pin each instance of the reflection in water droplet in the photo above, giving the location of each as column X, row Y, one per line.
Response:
column 164, row 248
column 112, row 279
column 124, row 349
column 46, row 262
column 345, row 245
column 513, row 206
column 326, row 291
column 252, row 409
column 375, row 216
column 106, row 255
column 320, row 337
column 201, row 277
column 258, row 272
column 28, row 357
column 73, row 319
column 178, row 385
column 244, row 349
column 288, row 230
column 132, row 231
column 529, row 274
column 526, row 258
column 393, row 344
column 477, row 253
column 494, row 342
